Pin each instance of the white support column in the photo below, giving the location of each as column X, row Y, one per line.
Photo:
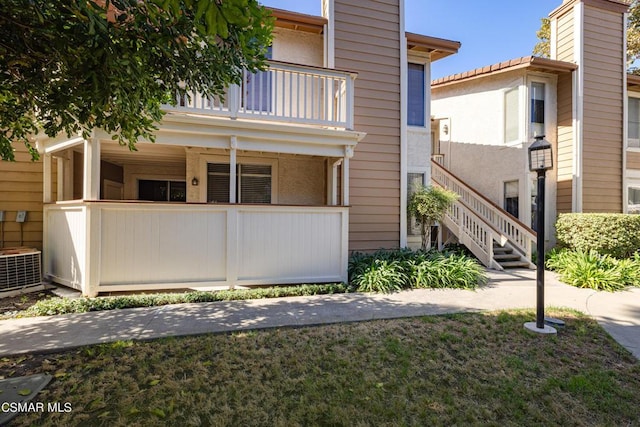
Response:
column 61, row 175
column 47, row 194
column 348, row 153
column 232, row 247
column 403, row 123
column 91, row 190
column 233, row 170
column 332, row 184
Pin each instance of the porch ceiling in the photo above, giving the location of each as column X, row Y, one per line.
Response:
column 164, row 155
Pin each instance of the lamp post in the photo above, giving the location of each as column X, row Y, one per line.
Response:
column 540, row 161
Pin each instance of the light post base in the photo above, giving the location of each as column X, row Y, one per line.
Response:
column 547, row 330
column 551, row 321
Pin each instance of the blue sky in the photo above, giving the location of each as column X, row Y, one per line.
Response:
column 490, row 31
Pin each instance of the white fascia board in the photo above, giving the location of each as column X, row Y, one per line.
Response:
column 403, row 124
column 212, row 132
column 61, row 142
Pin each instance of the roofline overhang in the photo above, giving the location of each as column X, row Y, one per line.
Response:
column 529, row 63
column 437, row 48
column 619, row 6
column 298, row 21
column 633, row 82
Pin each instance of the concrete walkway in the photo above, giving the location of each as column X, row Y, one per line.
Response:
column 618, row 313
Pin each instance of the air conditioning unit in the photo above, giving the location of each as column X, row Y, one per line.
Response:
column 19, row 268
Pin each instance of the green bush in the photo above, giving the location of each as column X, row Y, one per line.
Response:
column 448, row 270
column 593, row 270
column 55, row 306
column 388, row 271
column 380, row 275
column 617, row 235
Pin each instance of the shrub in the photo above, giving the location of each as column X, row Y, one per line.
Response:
column 617, row 235
column 448, row 271
column 593, row 270
column 428, row 205
column 387, row 271
column 380, row 275
column 55, row 306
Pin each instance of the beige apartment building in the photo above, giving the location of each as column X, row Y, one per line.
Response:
column 277, row 183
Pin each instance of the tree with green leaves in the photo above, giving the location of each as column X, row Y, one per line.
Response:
column 428, row 205
column 542, row 48
column 75, row 65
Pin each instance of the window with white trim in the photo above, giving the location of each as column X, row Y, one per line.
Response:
column 416, row 95
column 633, row 200
column 511, row 115
column 512, row 197
column 633, row 120
column 536, row 95
column 253, row 183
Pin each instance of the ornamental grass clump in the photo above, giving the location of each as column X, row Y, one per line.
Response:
column 389, row 271
column 448, row 270
column 589, row 269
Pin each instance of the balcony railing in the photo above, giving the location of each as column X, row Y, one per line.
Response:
column 285, row 93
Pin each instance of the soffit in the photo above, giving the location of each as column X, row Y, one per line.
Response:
column 437, row 48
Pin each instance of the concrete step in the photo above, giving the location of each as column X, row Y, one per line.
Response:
column 506, row 257
column 514, row 264
column 499, row 250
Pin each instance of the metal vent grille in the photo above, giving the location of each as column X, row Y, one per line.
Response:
column 19, row 270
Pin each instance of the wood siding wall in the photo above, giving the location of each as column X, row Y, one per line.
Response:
column 603, row 70
column 367, row 40
column 564, row 52
column 21, row 190
column 564, row 149
column 565, row 38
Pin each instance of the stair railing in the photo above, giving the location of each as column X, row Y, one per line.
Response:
column 504, row 225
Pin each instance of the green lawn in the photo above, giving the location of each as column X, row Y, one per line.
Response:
column 470, row 369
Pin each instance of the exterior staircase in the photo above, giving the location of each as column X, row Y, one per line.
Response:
column 506, row 257
column 497, row 238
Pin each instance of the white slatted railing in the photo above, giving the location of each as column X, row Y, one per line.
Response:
column 284, row 92
column 503, row 226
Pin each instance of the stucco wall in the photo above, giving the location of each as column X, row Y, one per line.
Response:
column 298, row 47
column 476, row 107
column 487, row 168
column 301, row 181
column 418, row 147
column 478, row 154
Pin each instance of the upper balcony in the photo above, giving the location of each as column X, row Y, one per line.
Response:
column 286, row 93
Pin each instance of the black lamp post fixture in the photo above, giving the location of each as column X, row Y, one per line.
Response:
column 540, row 161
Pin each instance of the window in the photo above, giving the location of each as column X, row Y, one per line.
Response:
column 257, row 89
column 511, row 197
column 414, row 182
column 162, row 191
column 416, row 95
column 634, row 123
column 537, row 109
column 633, row 205
column 511, row 116
column 253, row 183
